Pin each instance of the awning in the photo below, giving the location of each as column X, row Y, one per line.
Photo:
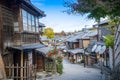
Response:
column 78, row 50
column 75, row 51
column 27, row 47
column 99, row 48
column 44, row 50
column 94, row 47
column 61, row 47
column 103, row 48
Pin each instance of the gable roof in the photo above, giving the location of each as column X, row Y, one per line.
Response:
column 75, row 37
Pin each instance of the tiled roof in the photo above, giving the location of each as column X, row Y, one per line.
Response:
column 75, row 51
column 102, row 22
column 44, row 38
column 75, row 37
column 44, row 50
column 81, row 35
column 27, row 47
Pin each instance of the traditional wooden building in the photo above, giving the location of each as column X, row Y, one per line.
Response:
column 78, row 43
column 19, row 35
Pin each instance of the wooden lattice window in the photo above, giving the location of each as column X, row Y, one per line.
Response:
column 7, row 17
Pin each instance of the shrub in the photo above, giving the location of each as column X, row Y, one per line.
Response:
column 59, row 64
column 60, row 68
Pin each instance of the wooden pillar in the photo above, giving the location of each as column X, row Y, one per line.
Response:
column 20, row 22
column 21, row 72
column 76, row 58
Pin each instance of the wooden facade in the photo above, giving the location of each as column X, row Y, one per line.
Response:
column 102, row 30
column 116, row 70
column 19, row 33
column 117, row 46
column 40, row 62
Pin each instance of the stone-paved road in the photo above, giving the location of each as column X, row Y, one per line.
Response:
column 77, row 72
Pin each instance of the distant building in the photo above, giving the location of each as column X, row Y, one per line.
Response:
column 103, row 29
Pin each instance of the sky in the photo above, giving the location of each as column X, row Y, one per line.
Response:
column 59, row 20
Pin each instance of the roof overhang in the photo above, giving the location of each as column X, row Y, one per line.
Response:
column 27, row 47
column 31, row 6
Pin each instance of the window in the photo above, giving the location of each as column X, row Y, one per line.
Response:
column 24, row 17
column 37, row 29
column 33, row 23
column 30, row 22
column 16, row 27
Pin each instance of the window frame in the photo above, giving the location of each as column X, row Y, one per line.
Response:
column 32, row 22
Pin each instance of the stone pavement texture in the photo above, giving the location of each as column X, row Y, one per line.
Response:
column 76, row 72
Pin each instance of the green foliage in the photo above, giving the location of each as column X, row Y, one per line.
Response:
column 59, row 64
column 60, row 68
column 49, row 33
column 112, row 29
column 94, row 8
column 109, row 41
column 113, row 21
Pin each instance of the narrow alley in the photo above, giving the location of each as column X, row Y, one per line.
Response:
column 76, row 72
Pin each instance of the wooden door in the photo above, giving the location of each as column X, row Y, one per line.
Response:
column 40, row 63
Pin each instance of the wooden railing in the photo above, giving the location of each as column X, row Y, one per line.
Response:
column 14, row 72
